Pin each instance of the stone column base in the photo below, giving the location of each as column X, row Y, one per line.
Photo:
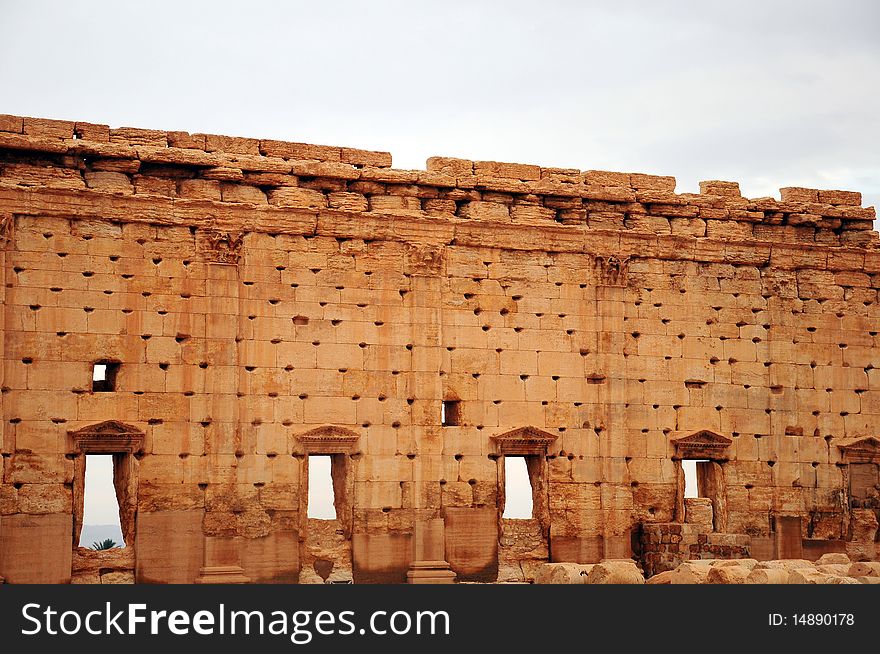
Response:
column 430, row 572
column 222, row 574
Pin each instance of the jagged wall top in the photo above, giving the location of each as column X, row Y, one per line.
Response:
column 458, row 187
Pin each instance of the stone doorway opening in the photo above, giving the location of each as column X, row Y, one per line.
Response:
column 524, row 526
column 326, row 491
column 115, row 445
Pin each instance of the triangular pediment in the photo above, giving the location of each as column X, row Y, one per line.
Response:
column 860, row 448
column 524, row 440
column 864, row 443
column 704, row 438
column 108, row 428
column 108, row 437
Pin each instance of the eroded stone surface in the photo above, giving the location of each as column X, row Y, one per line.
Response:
column 269, row 301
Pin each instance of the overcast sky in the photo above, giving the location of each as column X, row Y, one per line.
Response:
column 765, row 93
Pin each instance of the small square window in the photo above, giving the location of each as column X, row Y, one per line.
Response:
column 104, row 376
column 450, row 413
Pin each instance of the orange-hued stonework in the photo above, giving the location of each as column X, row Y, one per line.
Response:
column 258, row 303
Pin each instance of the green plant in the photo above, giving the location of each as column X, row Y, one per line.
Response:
column 105, row 544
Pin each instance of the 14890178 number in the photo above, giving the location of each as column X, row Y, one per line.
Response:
column 823, row 619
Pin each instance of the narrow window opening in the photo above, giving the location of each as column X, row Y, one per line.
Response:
column 321, row 490
column 101, row 528
column 518, row 491
column 692, row 485
column 104, row 376
column 450, row 413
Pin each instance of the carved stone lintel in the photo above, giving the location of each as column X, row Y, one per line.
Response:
column 110, row 437
column 864, row 449
column 703, row 444
column 328, row 439
column 524, row 440
column 612, row 270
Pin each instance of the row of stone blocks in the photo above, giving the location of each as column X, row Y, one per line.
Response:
column 834, row 568
column 831, row 568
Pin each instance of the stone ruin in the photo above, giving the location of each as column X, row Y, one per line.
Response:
column 257, row 303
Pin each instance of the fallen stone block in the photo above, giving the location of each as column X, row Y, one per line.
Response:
column 615, row 572
column 768, row 576
column 835, row 579
column 742, row 563
column 864, row 569
column 662, row 578
column 784, row 564
column 730, row 574
column 690, row 573
column 562, row 573
column 810, row 576
column 833, row 557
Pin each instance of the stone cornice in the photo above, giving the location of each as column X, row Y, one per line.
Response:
column 243, row 218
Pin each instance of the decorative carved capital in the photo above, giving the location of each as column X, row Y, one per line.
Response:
column 612, row 271
column 424, row 259
column 7, row 221
column 221, row 246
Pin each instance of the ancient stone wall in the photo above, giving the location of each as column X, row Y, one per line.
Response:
column 263, row 302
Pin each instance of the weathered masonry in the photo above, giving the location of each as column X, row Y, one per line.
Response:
column 255, row 304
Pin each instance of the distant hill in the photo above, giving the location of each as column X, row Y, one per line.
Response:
column 92, row 533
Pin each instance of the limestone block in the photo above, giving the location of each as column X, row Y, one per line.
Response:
column 749, row 564
column 849, row 198
column 715, row 187
column 11, row 123
column 691, row 572
column 242, row 193
column 137, row 136
column 833, row 558
column 864, row 569
column 118, row 577
column 641, row 181
column 767, row 576
column 292, row 196
column 810, row 576
column 698, row 511
column 44, row 498
column 479, row 210
column 728, row 574
column 36, row 549
column 199, row 189
column 351, row 201
column 663, row 578
column 562, row 573
column 514, row 171
column 48, row 128
column 798, row 194
column 615, row 572
column 605, row 178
